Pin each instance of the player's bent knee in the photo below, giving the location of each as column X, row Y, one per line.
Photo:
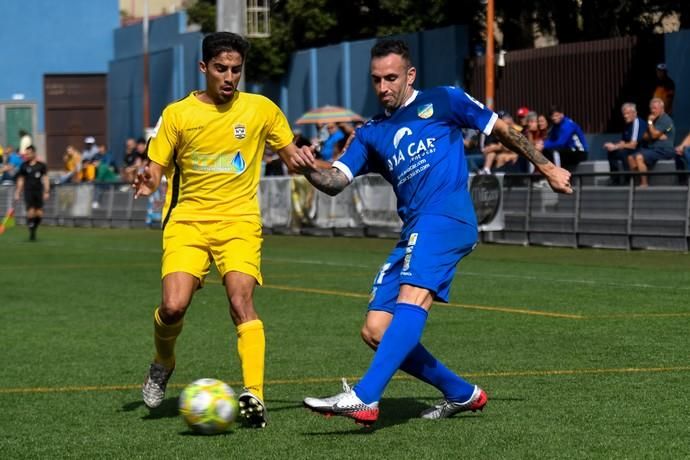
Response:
column 371, row 336
column 173, row 308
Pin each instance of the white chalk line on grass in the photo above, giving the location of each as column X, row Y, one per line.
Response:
column 460, row 273
column 318, row 380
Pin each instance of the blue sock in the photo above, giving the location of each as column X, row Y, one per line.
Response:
column 422, row 365
column 401, row 337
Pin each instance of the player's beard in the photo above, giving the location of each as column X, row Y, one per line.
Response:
column 389, row 102
column 225, row 95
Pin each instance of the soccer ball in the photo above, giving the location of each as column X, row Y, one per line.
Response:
column 208, row 406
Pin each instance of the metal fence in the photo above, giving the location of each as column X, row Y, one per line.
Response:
column 595, row 215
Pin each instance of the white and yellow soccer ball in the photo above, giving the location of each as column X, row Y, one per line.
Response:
column 208, row 406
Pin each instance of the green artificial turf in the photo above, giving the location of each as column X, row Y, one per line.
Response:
column 583, row 353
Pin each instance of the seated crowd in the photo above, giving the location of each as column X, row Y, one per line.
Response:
column 641, row 146
column 562, row 140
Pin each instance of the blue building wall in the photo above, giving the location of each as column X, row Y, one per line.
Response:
column 677, row 50
column 339, row 74
column 174, row 54
column 41, row 37
column 336, row 75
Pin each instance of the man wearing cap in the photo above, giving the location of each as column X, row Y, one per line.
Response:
column 90, row 149
column 665, row 88
column 522, row 118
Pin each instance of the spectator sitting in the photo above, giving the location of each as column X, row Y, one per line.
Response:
column 12, row 162
column 565, row 145
column 659, row 140
column 618, row 152
column 473, row 154
column 543, row 124
column 132, row 162
column 134, row 158
column 495, row 153
column 521, row 114
column 299, row 140
column 683, row 151
column 142, row 150
column 72, row 164
column 532, row 131
column 274, row 165
column 105, row 156
column 335, row 134
column 105, row 173
column 90, row 149
column 88, row 170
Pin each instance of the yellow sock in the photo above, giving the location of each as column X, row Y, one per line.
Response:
column 251, row 346
column 164, row 337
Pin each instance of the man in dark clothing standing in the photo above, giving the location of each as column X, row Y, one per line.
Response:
column 32, row 179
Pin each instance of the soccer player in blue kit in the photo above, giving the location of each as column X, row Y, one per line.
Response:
column 417, row 146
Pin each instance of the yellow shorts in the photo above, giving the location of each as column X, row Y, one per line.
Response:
column 189, row 247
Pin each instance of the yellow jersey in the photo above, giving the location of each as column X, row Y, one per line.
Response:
column 212, row 155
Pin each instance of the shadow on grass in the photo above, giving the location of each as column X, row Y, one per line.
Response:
column 394, row 411
column 279, row 405
column 168, row 409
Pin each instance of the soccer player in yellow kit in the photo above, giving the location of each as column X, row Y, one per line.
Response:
column 209, row 145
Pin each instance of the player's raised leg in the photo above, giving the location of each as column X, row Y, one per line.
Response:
column 178, row 289
column 458, row 394
column 251, row 346
column 402, row 335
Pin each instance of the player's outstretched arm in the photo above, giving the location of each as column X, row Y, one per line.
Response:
column 559, row 178
column 297, row 159
column 330, row 181
column 147, row 180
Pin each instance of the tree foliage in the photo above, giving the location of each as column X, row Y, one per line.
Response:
column 301, row 24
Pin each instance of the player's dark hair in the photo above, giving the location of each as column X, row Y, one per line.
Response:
column 388, row 46
column 32, row 148
column 219, row 42
column 555, row 108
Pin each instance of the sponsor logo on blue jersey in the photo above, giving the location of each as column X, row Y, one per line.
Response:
column 406, row 146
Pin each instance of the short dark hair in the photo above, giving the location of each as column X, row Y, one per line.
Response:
column 555, row 108
column 388, row 46
column 32, row 148
column 218, row 42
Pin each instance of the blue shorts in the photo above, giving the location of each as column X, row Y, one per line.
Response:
column 652, row 155
column 426, row 256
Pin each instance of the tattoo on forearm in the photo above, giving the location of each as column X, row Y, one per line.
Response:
column 519, row 144
column 330, row 181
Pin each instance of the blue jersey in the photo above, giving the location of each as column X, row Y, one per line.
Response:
column 634, row 130
column 419, row 150
column 566, row 135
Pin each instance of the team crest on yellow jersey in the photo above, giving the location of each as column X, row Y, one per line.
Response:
column 425, row 111
column 240, row 131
